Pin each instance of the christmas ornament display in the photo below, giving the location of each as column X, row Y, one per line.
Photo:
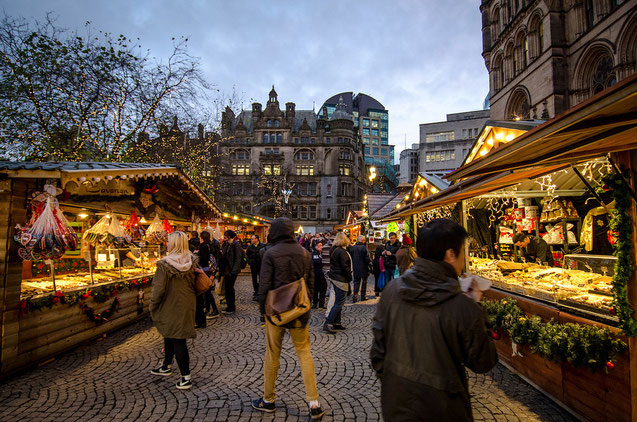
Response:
column 134, row 227
column 48, row 233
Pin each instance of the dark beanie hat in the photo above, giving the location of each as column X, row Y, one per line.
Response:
column 230, row 234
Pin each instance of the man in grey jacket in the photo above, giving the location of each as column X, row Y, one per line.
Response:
column 426, row 331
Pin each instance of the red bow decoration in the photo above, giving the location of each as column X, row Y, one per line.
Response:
column 153, row 189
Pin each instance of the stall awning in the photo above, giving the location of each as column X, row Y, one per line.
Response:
column 96, row 174
column 604, row 123
column 473, row 187
column 346, row 226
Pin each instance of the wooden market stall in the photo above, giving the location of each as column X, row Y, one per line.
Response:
column 586, row 156
column 79, row 249
column 354, row 225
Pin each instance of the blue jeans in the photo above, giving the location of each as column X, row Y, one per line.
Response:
column 334, row 316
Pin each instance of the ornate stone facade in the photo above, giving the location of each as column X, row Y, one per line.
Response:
column 270, row 151
column 544, row 57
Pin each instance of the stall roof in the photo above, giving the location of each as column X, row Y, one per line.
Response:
column 81, row 172
column 604, row 123
column 387, row 207
column 376, row 201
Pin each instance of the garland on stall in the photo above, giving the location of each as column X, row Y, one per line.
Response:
column 60, row 266
column 622, row 226
column 101, row 317
column 578, row 345
column 99, row 294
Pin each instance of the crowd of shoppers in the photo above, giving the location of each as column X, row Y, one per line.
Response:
column 422, row 377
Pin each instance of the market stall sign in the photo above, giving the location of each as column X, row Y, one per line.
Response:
column 103, row 188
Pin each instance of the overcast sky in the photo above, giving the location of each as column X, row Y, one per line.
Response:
column 420, row 58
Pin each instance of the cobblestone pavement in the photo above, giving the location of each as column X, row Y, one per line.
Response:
column 109, row 379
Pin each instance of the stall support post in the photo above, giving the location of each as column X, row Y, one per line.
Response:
column 464, row 222
column 90, row 264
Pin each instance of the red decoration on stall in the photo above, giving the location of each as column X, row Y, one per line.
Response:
column 610, row 365
column 167, row 227
column 495, row 335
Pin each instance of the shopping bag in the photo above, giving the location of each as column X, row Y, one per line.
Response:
column 380, row 284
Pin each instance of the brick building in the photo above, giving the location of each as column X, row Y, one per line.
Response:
column 544, row 57
column 272, row 151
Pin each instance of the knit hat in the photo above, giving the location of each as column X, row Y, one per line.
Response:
column 406, row 240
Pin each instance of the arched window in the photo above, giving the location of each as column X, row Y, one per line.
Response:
column 589, row 13
column 627, row 49
column 266, row 138
column 535, row 39
column 604, row 75
column 497, row 71
column 594, row 72
column 495, row 24
column 520, row 53
column 519, row 105
column 276, row 123
column 304, row 155
column 509, row 65
column 269, row 123
column 329, row 193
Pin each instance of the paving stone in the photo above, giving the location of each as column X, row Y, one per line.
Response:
column 110, row 379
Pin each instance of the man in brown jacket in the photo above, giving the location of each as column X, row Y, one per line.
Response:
column 426, row 331
column 283, row 263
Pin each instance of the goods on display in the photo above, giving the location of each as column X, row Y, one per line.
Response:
column 108, row 231
column 156, row 233
column 134, row 228
column 48, row 234
column 586, row 290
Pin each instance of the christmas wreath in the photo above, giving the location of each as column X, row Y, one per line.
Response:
column 101, row 317
column 578, row 345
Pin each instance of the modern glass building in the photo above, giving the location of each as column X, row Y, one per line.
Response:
column 371, row 120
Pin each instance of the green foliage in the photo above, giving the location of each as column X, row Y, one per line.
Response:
column 579, row 345
column 621, row 223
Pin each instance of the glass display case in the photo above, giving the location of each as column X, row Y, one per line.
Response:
column 583, row 284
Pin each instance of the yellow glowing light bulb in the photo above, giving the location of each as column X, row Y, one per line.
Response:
column 499, row 136
column 509, row 137
column 490, row 141
column 483, row 152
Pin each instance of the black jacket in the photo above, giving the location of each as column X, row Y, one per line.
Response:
column 232, row 252
column 204, row 254
column 538, row 249
column 317, row 263
column 254, row 257
column 285, row 262
column 340, row 265
column 193, row 244
column 423, row 375
column 390, row 260
column 360, row 260
column 378, row 253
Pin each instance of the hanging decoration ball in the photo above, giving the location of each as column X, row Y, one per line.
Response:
column 610, row 365
column 495, row 335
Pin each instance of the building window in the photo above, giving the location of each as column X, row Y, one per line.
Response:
column 383, row 151
column 439, row 137
column 312, row 212
column 366, row 150
column 344, row 155
column 305, row 170
column 269, row 124
column 365, row 122
column 340, row 140
column 240, row 154
column 241, row 169
column 313, row 140
column 374, row 141
column 344, row 169
column 375, row 123
column 329, row 192
column 266, row 138
column 273, row 151
column 366, row 141
column 302, row 212
column 296, row 140
column 272, row 169
column 279, row 138
column 304, row 155
column 328, row 213
column 375, row 151
column 365, row 131
column 374, row 132
column 589, row 13
column 276, row 123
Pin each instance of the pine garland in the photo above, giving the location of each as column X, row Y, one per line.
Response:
column 99, row 294
column 622, row 226
column 578, row 345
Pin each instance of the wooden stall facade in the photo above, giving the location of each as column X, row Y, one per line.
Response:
column 604, row 124
column 29, row 337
